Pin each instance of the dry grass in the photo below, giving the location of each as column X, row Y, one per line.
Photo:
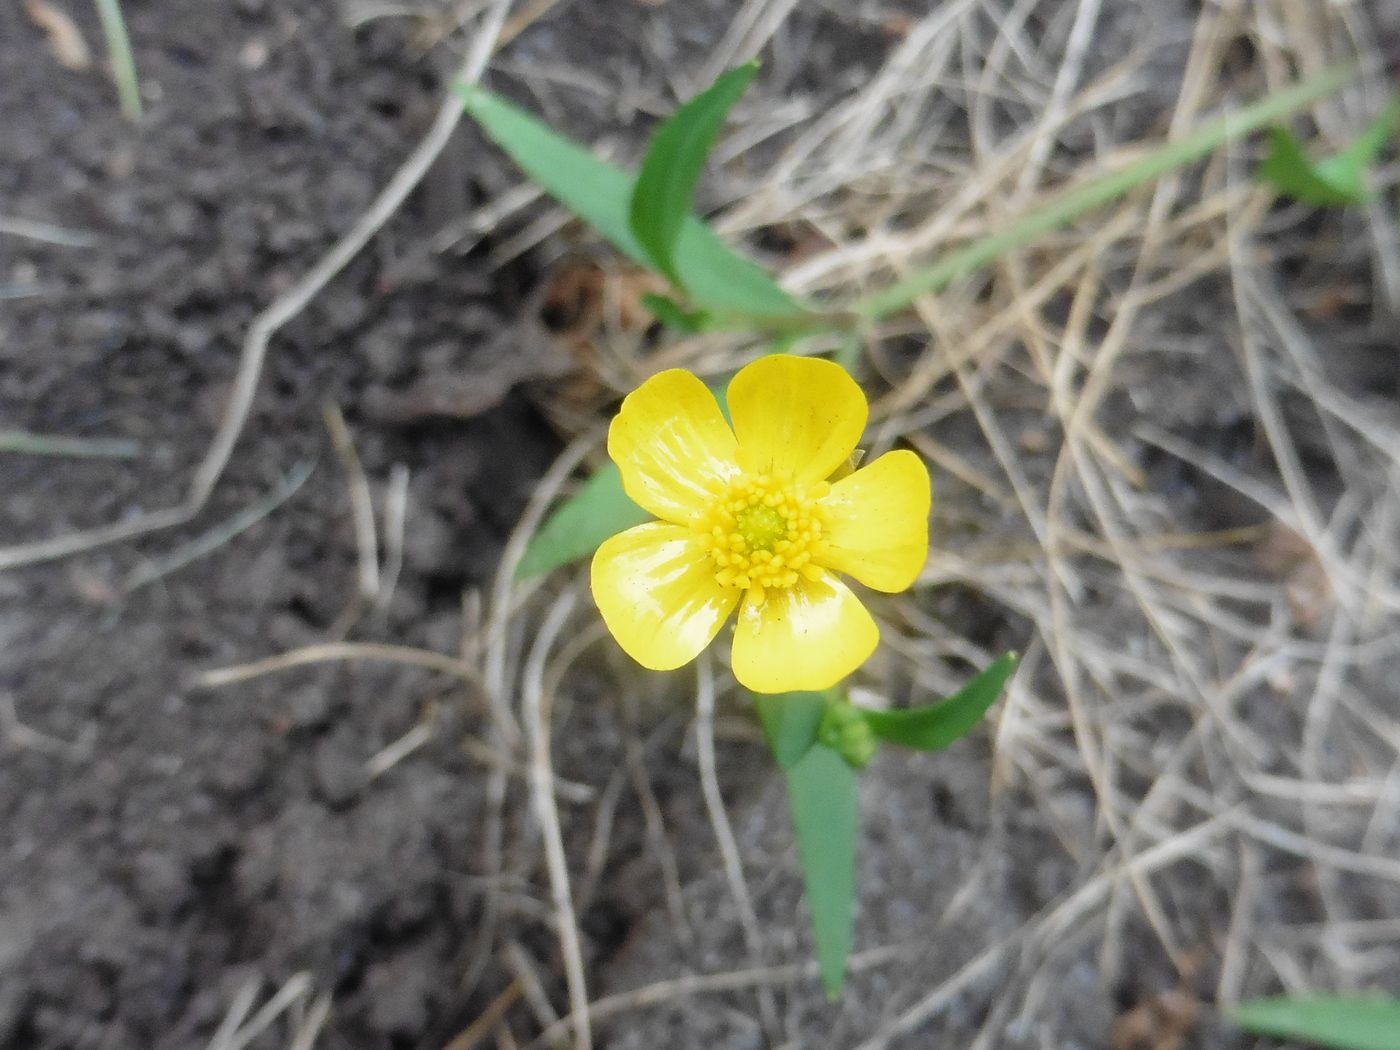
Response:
column 1218, row 689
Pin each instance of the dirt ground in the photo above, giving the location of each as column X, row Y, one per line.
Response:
column 1189, row 794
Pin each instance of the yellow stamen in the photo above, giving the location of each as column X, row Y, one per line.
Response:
column 762, row 533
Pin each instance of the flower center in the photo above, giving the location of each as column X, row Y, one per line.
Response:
column 762, row 533
column 761, row 526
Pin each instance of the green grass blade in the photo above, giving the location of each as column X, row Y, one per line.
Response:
column 599, row 509
column 936, row 726
column 822, row 793
column 666, row 184
column 790, row 722
column 1329, row 1021
column 76, row 447
column 119, row 52
column 1368, row 145
column 715, row 277
column 1078, row 200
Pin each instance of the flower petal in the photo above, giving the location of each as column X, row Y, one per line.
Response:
column 670, row 442
column 807, row 637
column 656, row 589
column 796, row 417
column 877, row 529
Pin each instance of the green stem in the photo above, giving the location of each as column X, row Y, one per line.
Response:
column 119, row 51
column 1074, row 202
column 81, row 448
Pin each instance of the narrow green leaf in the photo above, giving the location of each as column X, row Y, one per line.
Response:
column 938, row 725
column 790, row 722
column 1288, row 169
column 1075, row 201
column 673, row 315
column 715, row 277
column 1373, row 137
column 822, row 791
column 666, row 184
column 1350, row 167
column 1335, row 180
column 1330, row 1021
column 109, row 13
column 599, row 509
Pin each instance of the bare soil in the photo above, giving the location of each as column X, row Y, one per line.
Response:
column 168, row 846
column 192, row 838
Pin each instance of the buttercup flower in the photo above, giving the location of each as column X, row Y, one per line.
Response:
column 752, row 520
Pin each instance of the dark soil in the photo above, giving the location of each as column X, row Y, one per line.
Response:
column 164, row 844
column 196, row 838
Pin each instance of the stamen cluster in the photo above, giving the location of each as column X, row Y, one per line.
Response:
column 762, row 532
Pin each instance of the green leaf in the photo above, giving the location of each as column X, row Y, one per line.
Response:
column 599, row 509
column 716, row 278
column 673, row 315
column 822, row 791
column 1373, row 137
column 666, row 184
column 938, row 725
column 1335, row 180
column 1330, row 1021
column 1290, row 171
column 790, row 722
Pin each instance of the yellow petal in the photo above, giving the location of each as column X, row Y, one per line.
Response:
column 877, row 528
column 671, row 442
column 796, row 417
column 808, row 637
column 656, row 589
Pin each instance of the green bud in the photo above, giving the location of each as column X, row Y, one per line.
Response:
column 844, row 729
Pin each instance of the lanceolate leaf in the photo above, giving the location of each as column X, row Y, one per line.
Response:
column 716, row 278
column 1338, row 179
column 1289, row 170
column 666, row 184
column 1373, row 137
column 1334, row 1022
column 822, row 791
column 938, row 725
column 790, row 722
column 671, row 314
column 599, row 509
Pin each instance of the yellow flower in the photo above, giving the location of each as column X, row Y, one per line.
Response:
column 750, row 520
